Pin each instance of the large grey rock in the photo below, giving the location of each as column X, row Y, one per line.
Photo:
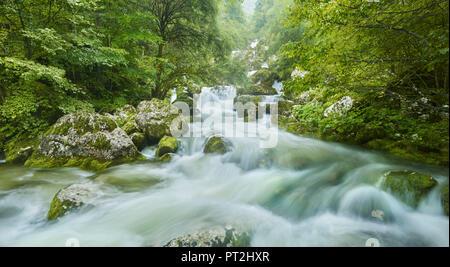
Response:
column 84, row 139
column 216, row 237
column 340, row 108
column 125, row 115
column 155, row 118
column 71, row 198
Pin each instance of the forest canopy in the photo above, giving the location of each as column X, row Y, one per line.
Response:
column 57, row 57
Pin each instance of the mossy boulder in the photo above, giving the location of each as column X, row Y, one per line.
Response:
column 17, row 152
column 139, row 140
column 411, row 187
column 85, row 139
column 124, row 115
column 155, row 118
column 71, row 198
column 216, row 237
column 167, row 145
column 166, row 157
column 444, row 198
column 264, row 76
column 216, row 145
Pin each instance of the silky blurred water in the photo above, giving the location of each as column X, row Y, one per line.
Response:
column 302, row 192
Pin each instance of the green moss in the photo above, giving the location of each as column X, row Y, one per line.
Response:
column 139, row 140
column 215, row 145
column 368, row 133
column 130, row 127
column 18, row 151
column 83, row 122
column 59, row 208
column 167, row 145
column 101, row 142
column 444, row 198
column 409, row 186
column 241, row 240
column 373, row 125
column 166, row 158
column 89, row 164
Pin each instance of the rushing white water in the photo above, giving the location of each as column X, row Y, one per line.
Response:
column 251, row 73
column 278, row 86
column 174, row 96
column 303, row 192
column 254, row 44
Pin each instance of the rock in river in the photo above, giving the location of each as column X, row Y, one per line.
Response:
column 71, row 198
column 216, row 145
column 155, row 118
column 411, row 187
column 217, row 237
column 86, row 140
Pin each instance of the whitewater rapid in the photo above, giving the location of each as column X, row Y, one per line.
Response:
column 302, row 192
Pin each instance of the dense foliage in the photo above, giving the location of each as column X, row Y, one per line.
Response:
column 62, row 56
column 390, row 57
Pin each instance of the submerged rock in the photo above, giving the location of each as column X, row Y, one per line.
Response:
column 86, row 140
column 167, row 145
column 216, row 145
column 444, row 199
column 71, row 198
column 220, row 237
column 340, row 108
column 155, row 117
column 411, row 187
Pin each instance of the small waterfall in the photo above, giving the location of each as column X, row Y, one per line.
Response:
column 174, row 96
column 278, row 86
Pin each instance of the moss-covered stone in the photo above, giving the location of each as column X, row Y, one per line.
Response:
column 139, row 140
column 125, row 115
column 82, row 122
column 220, row 237
column 17, row 152
column 167, row 145
column 444, row 198
column 215, row 145
column 410, row 187
column 130, row 127
column 85, row 140
column 155, row 119
column 69, row 199
column 89, row 164
column 166, row 158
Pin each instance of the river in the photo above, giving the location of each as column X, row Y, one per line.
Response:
column 301, row 192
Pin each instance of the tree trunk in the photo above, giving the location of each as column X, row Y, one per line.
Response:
column 158, row 87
